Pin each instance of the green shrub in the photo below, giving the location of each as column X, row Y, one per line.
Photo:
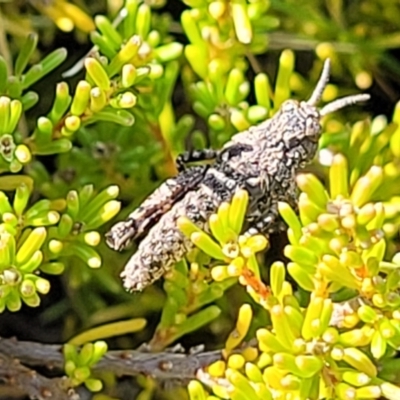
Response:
column 323, row 324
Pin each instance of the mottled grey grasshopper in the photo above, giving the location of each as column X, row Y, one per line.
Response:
column 263, row 160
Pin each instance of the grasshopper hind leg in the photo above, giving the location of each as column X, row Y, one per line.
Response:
column 165, row 244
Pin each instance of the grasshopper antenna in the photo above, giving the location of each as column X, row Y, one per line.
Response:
column 334, row 105
column 319, row 89
column 343, row 102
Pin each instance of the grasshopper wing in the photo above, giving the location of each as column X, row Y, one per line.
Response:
column 137, row 224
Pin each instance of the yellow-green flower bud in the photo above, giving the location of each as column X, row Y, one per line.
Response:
column 366, row 214
column 108, row 30
column 238, row 120
column 168, row 52
column 282, row 88
column 86, row 353
column 369, row 392
column 303, row 277
column 328, row 222
column 351, row 259
column 81, row 98
column 187, row 226
column 99, row 349
column 359, row 361
column 61, row 102
column 291, row 219
column 221, row 391
column 205, row 243
column 10, row 219
column 217, row 9
column 44, row 130
column 286, row 361
column 32, row 243
column 81, row 373
column 367, row 314
column 72, row 123
column 5, row 206
column 27, row 288
column 377, row 221
column 220, row 273
column 331, row 335
column 65, row 226
column 42, row 285
column 256, row 114
column 154, row 71
column 242, row 326
column 235, row 267
column 33, row 263
column 265, row 359
column 344, row 391
column 277, row 277
column 309, row 211
column 97, row 73
column 128, row 75
column 311, row 326
column 73, row 203
column 4, row 114
column 196, row 391
column 282, row 326
column 235, row 79
column 236, row 361
column 105, row 213
column 308, row 365
column 124, row 100
column 366, row 186
column 21, row 198
column 125, row 55
column 241, row 22
column 313, row 187
column 94, row 385
column 69, row 366
column 300, row 255
column 216, row 122
column 390, row 391
column 335, row 271
column 217, row 369
column 338, row 177
column 92, row 238
column 55, row 246
column 253, row 372
column 241, row 384
column 143, row 20
column 263, row 91
column 218, row 230
column 32, row 301
column 356, row 378
column 15, row 115
column 56, row 146
column 355, row 337
column 98, row 99
column 87, row 254
column 296, row 319
column 378, row 345
column 189, row 24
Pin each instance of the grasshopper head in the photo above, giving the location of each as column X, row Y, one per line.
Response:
column 298, row 123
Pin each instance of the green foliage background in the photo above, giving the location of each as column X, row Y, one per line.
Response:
column 85, row 148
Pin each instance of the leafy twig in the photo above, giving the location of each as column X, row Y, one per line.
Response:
column 162, row 366
column 37, row 386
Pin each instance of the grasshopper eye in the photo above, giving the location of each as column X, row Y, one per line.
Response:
column 313, row 128
column 289, row 106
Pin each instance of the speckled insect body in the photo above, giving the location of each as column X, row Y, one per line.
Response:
column 263, row 160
